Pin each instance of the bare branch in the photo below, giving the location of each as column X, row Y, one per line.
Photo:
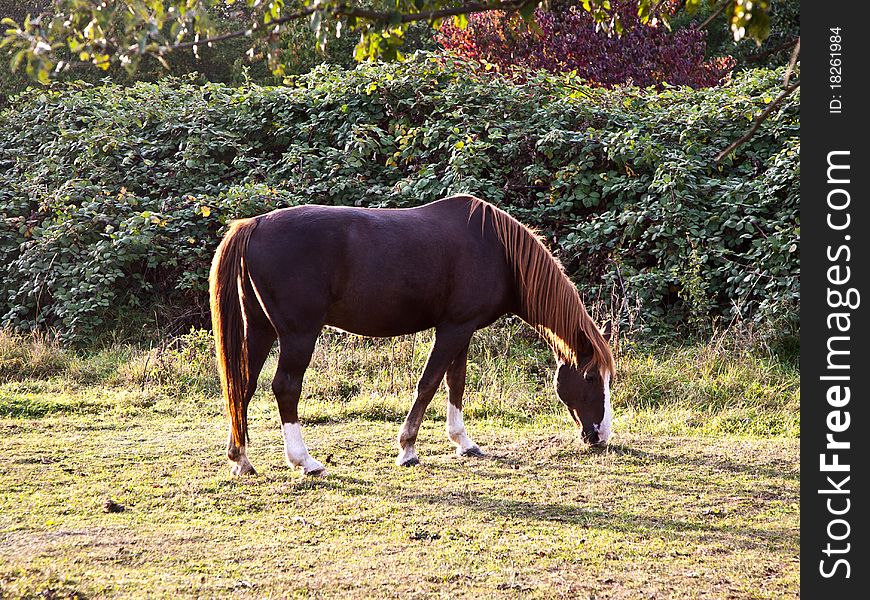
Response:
column 792, row 62
column 360, row 13
column 758, row 121
column 715, row 14
column 763, row 55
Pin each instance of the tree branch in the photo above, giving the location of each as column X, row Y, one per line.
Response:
column 343, row 10
column 233, row 34
column 431, row 15
column 715, row 14
column 762, row 55
column 758, row 121
column 792, row 62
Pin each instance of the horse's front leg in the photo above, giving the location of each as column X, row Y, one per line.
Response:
column 449, row 342
column 455, row 389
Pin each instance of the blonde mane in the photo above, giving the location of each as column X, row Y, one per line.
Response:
column 549, row 300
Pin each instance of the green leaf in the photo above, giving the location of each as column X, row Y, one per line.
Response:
column 315, row 20
column 43, row 75
column 527, row 11
column 16, row 60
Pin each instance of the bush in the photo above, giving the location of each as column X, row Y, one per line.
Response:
column 567, row 39
column 113, row 199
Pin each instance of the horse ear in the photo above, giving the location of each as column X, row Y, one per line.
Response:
column 607, row 331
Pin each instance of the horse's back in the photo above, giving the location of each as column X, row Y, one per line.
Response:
column 380, row 271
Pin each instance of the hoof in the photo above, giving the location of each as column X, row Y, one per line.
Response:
column 411, row 462
column 316, row 473
column 245, row 468
column 473, row 451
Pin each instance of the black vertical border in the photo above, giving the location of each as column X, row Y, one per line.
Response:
column 823, row 132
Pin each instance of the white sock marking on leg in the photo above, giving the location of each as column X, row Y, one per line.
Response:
column 295, row 450
column 456, row 430
column 604, row 427
column 406, row 454
column 242, row 465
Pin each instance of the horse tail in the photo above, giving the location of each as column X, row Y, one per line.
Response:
column 228, row 274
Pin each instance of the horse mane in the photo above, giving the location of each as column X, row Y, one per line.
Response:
column 549, row 300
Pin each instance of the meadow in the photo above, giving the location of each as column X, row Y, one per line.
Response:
column 114, row 482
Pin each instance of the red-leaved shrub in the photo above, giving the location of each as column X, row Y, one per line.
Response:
column 568, row 41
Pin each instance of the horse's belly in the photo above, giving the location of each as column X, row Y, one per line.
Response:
column 380, row 317
column 367, row 330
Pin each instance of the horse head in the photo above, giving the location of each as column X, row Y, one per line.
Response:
column 585, row 390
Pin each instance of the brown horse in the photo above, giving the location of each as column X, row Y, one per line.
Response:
column 456, row 264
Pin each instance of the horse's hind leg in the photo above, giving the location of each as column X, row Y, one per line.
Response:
column 455, row 389
column 260, row 338
column 449, row 343
column 293, row 359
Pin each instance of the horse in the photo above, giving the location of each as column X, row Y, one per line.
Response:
column 456, row 265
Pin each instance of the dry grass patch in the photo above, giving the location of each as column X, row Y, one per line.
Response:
column 543, row 516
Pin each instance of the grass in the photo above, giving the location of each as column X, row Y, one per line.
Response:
column 696, row 498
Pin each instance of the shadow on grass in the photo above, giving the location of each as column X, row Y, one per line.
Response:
column 551, row 462
column 266, row 480
column 718, row 463
column 634, row 524
column 22, row 407
column 377, row 414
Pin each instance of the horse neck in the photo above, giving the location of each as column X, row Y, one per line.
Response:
column 556, row 313
column 546, row 298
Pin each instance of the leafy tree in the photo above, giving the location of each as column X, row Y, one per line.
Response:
column 222, row 62
column 775, row 51
column 107, row 32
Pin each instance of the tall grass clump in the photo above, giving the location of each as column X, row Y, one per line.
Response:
column 180, row 366
column 31, row 355
column 734, row 383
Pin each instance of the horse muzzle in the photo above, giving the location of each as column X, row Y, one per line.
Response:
column 593, row 438
column 594, row 434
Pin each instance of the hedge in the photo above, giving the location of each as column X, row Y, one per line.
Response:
column 113, row 198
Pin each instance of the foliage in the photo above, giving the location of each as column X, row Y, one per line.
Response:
column 569, row 40
column 775, row 49
column 122, row 32
column 226, row 62
column 113, row 198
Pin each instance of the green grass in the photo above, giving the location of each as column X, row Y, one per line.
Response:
column 697, row 496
